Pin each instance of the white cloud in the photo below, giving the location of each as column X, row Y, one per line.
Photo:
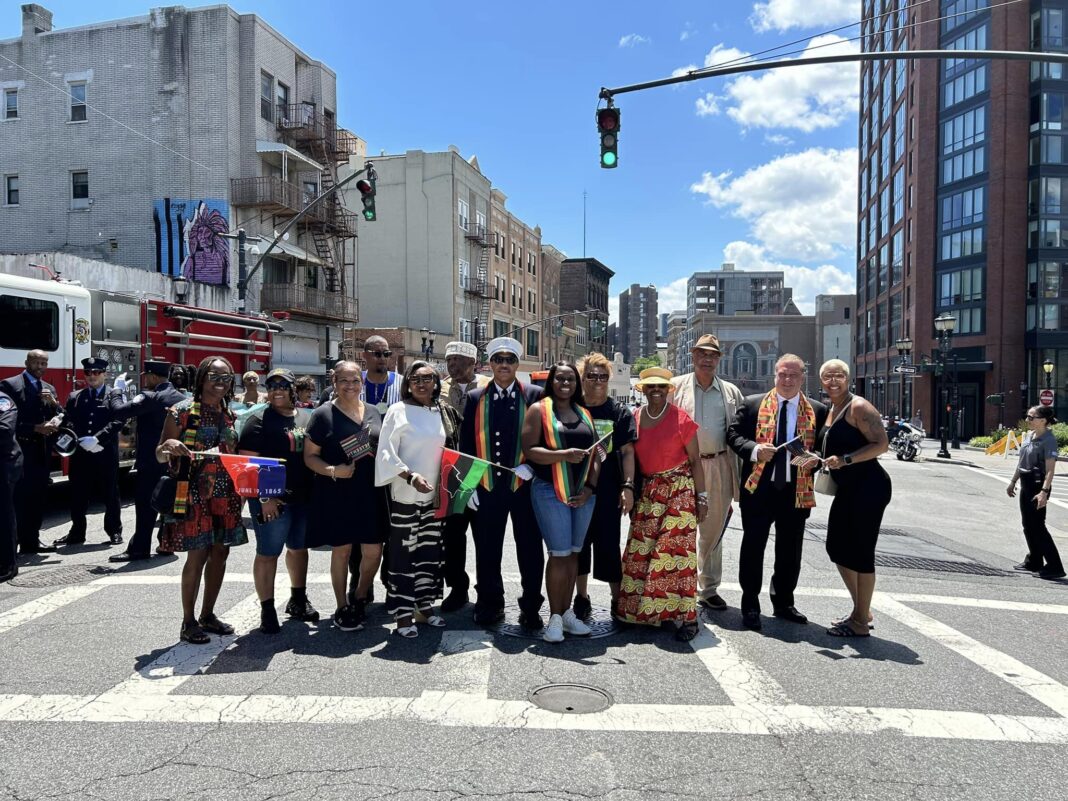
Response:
column 683, row 70
column 807, row 98
column 721, row 54
column 633, row 40
column 807, row 282
column 687, row 32
column 778, row 140
column 782, row 15
column 671, row 297
column 708, row 106
column 799, row 206
column 613, row 309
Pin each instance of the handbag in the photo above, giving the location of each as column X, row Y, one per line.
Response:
column 824, row 482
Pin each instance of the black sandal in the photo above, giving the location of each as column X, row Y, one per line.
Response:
column 192, row 633
column 686, row 632
column 214, row 625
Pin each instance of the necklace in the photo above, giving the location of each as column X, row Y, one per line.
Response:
column 651, row 416
column 848, row 400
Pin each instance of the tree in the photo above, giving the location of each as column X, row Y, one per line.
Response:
column 643, row 362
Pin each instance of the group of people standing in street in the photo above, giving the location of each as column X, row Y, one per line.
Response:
column 566, row 465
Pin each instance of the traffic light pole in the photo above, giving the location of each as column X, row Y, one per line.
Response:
column 888, row 55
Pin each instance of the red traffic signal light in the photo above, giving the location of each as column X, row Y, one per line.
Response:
column 608, row 128
column 367, row 196
column 365, row 187
column 607, row 119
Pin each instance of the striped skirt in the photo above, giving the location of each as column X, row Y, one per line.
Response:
column 660, row 561
column 415, row 557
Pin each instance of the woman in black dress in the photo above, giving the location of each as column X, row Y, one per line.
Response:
column 346, row 507
column 853, row 440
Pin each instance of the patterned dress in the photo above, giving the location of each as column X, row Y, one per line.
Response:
column 213, row 507
column 660, row 560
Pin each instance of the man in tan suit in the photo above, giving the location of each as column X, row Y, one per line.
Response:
column 712, row 403
column 460, row 358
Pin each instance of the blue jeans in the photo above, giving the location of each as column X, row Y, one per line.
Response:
column 287, row 529
column 562, row 527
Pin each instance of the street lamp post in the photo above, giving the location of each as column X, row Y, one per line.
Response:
column 1047, row 368
column 427, row 348
column 904, row 348
column 944, row 325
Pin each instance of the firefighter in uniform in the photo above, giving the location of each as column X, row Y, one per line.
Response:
column 94, row 466
column 150, row 408
column 10, row 471
column 38, row 419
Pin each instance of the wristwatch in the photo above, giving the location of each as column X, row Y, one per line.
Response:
column 848, row 459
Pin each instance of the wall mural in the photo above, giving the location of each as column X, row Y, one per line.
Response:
column 189, row 239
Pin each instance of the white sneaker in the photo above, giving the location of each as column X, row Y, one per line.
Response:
column 554, row 632
column 572, row 625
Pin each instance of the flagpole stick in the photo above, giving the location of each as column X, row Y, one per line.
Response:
column 206, row 455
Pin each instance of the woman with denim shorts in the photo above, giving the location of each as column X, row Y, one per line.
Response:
column 558, row 435
column 278, row 432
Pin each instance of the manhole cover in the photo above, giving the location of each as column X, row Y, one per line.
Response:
column 600, row 621
column 59, row 576
column 940, row 565
column 891, row 532
column 571, row 699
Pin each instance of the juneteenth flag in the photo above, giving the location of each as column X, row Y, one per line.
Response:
column 460, row 476
column 255, row 476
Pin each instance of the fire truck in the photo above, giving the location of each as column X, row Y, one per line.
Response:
column 71, row 323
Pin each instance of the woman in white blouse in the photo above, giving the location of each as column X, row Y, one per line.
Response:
column 414, row 432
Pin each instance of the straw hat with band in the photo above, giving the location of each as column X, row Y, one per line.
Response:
column 655, row 377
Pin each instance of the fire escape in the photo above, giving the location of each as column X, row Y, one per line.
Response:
column 477, row 292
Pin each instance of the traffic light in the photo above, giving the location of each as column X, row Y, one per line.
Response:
column 608, row 128
column 367, row 196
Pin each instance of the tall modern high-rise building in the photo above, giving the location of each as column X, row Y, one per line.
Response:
column 960, row 210
column 636, row 333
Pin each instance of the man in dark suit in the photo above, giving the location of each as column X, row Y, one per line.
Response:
column 94, row 466
column 150, row 407
column 500, row 408
column 774, row 491
column 39, row 416
column 10, row 471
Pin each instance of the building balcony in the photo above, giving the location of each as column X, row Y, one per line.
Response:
column 306, row 125
column 308, row 301
column 276, row 197
column 477, row 233
column 476, row 286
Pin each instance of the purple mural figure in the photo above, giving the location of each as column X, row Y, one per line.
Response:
column 209, row 252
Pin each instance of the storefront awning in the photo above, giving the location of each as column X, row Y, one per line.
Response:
column 277, row 153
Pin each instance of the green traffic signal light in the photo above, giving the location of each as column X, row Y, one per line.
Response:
column 608, row 159
column 367, row 192
column 608, row 128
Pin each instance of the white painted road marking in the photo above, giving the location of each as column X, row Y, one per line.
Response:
column 1001, row 479
column 744, row 683
column 39, row 607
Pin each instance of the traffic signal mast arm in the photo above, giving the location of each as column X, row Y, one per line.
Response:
column 906, row 55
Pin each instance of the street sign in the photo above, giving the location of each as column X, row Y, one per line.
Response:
column 908, row 369
column 1045, row 397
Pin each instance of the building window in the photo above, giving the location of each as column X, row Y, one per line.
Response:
column 282, row 100
column 11, row 104
column 1046, row 233
column 898, row 257
column 513, row 295
column 960, row 286
column 465, row 274
column 963, row 165
column 500, row 328
column 899, row 197
column 531, row 307
column 77, row 101
column 480, row 223
column 11, row 190
column 532, row 343
column 463, row 213
column 466, row 331
column 963, row 209
column 964, row 86
column 79, row 190
column 960, row 11
column 266, row 96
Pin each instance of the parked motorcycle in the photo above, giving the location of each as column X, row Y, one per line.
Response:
column 907, row 442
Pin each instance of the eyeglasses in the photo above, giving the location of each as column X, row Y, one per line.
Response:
column 379, row 354
column 279, row 384
column 835, row 376
column 220, row 378
column 422, row 379
column 1033, row 417
column 563, row 379
column 597, row 378
column 95, row 372
column 509, row 359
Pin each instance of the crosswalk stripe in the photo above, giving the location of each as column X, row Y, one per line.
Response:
column 1023, row 677
column 46, row 604
column 743, row 681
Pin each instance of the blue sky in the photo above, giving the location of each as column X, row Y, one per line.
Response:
column 760, row 170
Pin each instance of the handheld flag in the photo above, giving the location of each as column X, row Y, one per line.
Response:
column 460, row 476
column 255, row 476
column 358, row 445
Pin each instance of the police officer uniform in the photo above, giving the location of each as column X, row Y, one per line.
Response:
column 498, row 442
column 150, row 408
column 35, row 399
column 94, row 466
column 10, row 472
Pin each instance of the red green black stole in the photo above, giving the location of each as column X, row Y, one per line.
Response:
column 765, row 433
column 565, row 487
column 482, row 433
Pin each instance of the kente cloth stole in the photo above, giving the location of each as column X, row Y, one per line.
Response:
column 765, row 434
column 189, row 439
column 482, row 433
column 550, row 426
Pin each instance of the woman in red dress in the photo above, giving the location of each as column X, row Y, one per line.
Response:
column 660, row 560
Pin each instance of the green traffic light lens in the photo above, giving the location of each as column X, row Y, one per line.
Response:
column 608, row 159
column 368, row 214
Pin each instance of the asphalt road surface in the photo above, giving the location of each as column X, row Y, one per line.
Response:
column 962, row 692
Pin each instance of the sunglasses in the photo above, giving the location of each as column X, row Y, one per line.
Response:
column 278, row 384
column 422, row 379
column 564, row 379
column 220, row 378
column 95, row 372
column 379, row 354
column 509, row 359
column 597, row 378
